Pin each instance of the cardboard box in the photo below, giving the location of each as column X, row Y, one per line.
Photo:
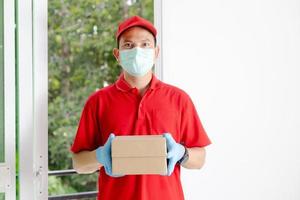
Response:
column 139, row 154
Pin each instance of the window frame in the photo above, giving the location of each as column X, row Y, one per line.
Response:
column 33, row 98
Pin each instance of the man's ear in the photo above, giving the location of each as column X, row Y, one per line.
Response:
column 157, row 49
column 116, row 54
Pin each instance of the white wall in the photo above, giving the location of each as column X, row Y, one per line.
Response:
column 240, row 63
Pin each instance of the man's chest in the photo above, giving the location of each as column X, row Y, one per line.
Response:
column 132, row 115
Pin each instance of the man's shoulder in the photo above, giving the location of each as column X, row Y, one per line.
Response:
column 99, row 93
column 174, row 90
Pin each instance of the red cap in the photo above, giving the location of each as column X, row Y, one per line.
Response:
column 135, row 21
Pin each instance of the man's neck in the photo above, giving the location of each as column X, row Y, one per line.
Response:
column 141, row 83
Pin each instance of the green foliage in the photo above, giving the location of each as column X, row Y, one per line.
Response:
column 81, row 40
column 57, row 186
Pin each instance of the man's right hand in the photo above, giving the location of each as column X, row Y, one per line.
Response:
column 103, row 155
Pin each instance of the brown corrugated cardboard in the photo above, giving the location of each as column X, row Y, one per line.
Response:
column 139, row 154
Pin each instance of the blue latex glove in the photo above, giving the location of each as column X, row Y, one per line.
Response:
column 175, row 152
column 103, row 154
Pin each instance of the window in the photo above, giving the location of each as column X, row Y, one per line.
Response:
column 80, row 61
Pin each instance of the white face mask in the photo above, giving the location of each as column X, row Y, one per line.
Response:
column 137, row 61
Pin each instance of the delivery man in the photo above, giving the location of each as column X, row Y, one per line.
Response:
column 138, row 104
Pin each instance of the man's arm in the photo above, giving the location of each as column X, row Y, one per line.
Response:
column 196, row 158
column 85, row 162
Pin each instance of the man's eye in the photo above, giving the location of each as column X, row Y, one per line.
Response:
column 146, row 44
column 127, row 45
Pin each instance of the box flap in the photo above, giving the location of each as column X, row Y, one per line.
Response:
column 139, row 146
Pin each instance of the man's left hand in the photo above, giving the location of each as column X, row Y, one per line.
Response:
column 175, row 152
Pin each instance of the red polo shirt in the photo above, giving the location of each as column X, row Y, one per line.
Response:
column 119, row 109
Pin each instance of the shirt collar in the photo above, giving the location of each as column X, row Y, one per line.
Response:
column 124, row 86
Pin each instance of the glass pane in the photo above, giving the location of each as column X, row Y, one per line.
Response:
column 81, row 40
column 2, row 196
column 1, row 84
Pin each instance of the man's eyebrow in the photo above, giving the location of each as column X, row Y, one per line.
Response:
column 143, row 40
column 127, row 40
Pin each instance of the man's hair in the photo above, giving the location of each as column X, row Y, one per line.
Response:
column 118, row 40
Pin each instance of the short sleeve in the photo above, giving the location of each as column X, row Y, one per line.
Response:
column 88, row 131
column 191, row 129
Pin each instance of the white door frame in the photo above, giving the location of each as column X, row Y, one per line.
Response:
column 8, row 180
column 33, row 98
column 158, row 24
